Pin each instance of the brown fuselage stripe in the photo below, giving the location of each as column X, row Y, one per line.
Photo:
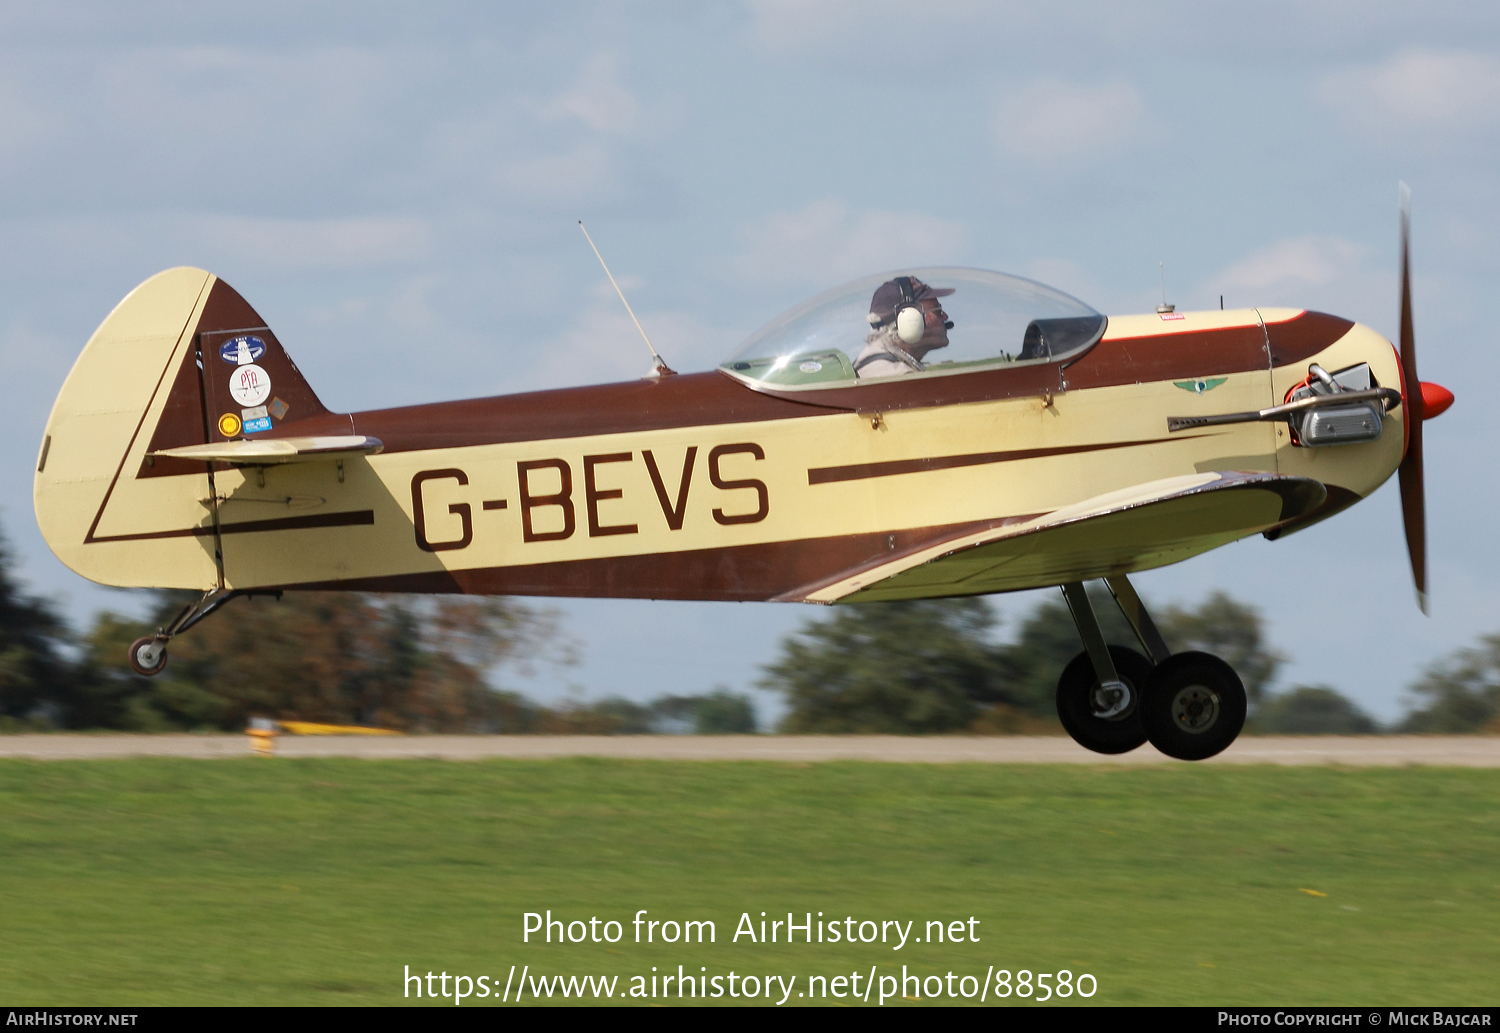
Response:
column 717, row 399
column 297, row 523
column 861, row 471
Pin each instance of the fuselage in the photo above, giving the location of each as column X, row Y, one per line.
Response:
column 698, row 486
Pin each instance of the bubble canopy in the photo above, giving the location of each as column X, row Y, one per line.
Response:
column 998, row 320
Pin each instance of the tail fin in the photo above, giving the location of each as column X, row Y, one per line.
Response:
column 182, row 360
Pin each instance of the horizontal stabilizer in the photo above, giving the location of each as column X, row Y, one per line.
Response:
column 1138, row 528
column 265, row 451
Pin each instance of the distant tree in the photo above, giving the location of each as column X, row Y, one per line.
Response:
column 38, row 681
column 724, row 713
column 335, row 657
column 1232, row 631
column 1459, row 694
column 720, row 712
column 902, row 667
column 1312, row 710
column 931, row 665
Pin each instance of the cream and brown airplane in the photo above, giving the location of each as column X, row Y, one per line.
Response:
column 853, row 450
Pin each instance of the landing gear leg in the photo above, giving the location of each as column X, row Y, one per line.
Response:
column 148, row 655
column 1099, row 693
column 1190, row 705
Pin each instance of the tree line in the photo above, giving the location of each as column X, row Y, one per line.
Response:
column 425, row 664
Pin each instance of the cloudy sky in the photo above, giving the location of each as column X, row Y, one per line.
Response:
column 397, row 181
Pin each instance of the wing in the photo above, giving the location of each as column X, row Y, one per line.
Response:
column 1149, row 525
column 263, row 451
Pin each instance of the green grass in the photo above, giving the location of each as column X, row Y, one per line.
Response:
column 282, row 881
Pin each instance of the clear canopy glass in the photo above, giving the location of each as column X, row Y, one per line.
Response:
column 996, row 320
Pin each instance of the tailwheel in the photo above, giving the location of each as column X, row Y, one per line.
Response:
column 148, row 655
column 1193, row 706
column 1105, row 720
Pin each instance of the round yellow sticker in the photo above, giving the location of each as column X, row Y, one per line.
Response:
column 229, row 425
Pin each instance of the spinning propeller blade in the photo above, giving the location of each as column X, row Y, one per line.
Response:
column 1413, row 501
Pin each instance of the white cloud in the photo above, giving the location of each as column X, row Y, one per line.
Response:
column 1329, row 274
column 1422, row 89
column 827, row 242
column 1299, row 262
column 598, row 99
column 1050, row 119
column 603, row 346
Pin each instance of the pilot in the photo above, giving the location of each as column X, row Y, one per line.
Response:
column 906, row 322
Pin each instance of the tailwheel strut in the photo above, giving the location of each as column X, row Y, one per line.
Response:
column 148, row 655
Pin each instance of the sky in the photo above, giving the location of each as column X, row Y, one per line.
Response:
column 393, row 181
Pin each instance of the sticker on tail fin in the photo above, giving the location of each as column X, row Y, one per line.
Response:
column 241, row 351
column 250, row 385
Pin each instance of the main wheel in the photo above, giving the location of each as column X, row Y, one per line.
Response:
column 1193, row 706
column 1100, row 721
column 148, row 655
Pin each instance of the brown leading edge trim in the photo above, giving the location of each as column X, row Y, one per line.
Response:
column 1338, row 500
column 861, row 471
column 737, row 573
column 350, row 519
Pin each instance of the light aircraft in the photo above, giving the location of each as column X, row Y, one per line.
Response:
column 1040, row 444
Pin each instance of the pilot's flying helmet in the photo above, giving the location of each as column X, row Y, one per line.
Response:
column 901, row 293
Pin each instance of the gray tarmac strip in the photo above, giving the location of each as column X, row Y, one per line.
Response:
column 1353, row 751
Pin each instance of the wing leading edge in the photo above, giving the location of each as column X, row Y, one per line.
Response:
column 1138, row 528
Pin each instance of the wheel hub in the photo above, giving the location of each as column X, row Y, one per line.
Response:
column 1195, row 708
column 149, row 654
column 1111, row 699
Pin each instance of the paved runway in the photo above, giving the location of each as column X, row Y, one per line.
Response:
column 1354, row 751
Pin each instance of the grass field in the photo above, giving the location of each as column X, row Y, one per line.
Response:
column 315, row 881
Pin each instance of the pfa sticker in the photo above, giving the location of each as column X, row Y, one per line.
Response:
column 810, row 366
column 229, row 425
column 250, row 385
column 241, row 351
column 257, row 425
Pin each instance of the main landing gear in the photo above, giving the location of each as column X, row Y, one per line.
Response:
column 148, row 655
column 1112, row 699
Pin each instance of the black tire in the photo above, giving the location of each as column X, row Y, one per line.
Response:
column 138, row 664
column 1193, row 706
column 1120, row 733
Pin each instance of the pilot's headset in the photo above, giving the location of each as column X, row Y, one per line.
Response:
column 911, row 321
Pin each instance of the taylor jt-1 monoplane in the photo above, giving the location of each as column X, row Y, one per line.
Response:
column 853, row 450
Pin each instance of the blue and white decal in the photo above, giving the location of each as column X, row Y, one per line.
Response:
column 241, row 351
column 255, row 426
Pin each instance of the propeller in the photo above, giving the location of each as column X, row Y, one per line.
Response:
column 1413, row 500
